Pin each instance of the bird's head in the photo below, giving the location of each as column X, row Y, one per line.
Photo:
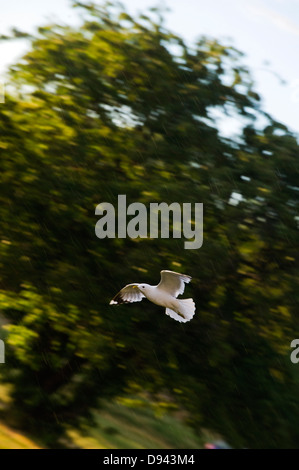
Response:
column 144, row 288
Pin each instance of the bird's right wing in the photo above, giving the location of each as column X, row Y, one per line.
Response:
column 128, row 294
column 173, row 283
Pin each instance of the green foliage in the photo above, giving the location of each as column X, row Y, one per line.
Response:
column 120, row 427
column 110, row 109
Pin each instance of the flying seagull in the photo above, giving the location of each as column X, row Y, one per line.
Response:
column 165, row 294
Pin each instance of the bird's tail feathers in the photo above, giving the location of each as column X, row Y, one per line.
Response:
column 185, row 311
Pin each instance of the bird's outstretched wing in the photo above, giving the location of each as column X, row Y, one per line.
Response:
column 173, row 283
column 128, row 294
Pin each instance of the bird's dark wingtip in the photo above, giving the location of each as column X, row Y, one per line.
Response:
column 118, row 299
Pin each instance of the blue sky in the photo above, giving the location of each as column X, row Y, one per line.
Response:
column 267, row 31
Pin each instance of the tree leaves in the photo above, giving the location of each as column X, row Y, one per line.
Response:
column 108, row 109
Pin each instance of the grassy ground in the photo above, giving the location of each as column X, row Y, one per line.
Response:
column 11, row 439
column 115, row 427
column 119, row 427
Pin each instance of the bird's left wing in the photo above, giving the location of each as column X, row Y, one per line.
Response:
column 128, row 294
column 173, row 283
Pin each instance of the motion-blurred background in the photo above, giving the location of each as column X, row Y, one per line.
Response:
column 103, row 100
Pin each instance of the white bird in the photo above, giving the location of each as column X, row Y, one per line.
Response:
column 165, row 294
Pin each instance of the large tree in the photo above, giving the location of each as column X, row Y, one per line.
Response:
column 117, row 106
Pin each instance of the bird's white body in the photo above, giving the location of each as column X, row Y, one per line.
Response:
column 164, row 294
column 156, row 296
